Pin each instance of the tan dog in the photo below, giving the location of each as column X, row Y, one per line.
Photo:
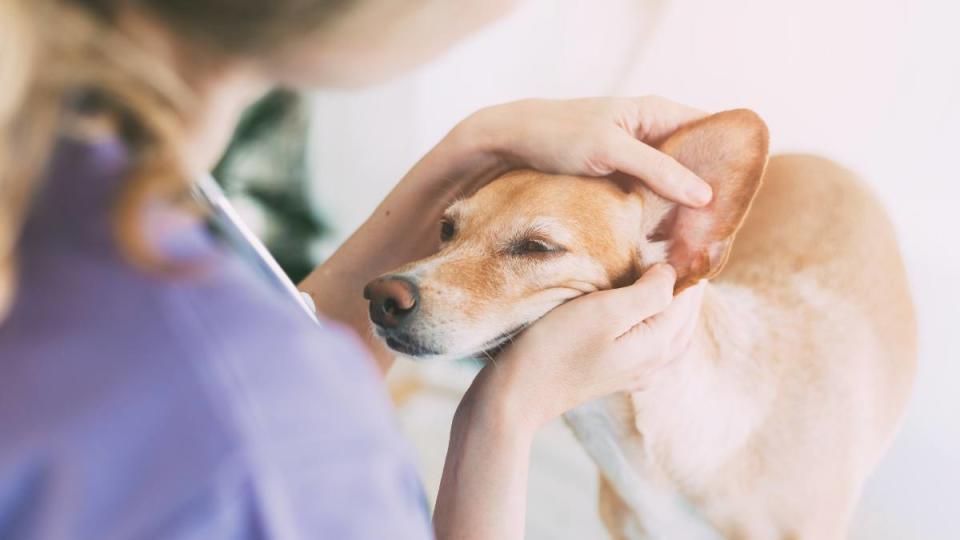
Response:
column 767, row 427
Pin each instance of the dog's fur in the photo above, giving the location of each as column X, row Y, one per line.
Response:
column 799, row 370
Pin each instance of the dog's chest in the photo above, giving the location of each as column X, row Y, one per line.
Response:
column 605, row 430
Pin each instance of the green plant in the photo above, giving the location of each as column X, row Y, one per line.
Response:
column 264, row 172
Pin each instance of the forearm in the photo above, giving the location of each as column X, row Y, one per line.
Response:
column 402, row 228
column 483, row 492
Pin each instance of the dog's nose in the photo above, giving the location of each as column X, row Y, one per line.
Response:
column 392, row 300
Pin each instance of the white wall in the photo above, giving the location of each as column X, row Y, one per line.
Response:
column 874, row 84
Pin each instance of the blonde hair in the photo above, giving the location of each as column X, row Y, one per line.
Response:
column 51, row 50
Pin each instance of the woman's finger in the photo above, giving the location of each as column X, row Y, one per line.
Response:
column 628, row 306
column 660, row 172
column 677, row 322
column 659, row 117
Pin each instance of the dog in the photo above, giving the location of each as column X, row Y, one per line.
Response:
column 801, row 364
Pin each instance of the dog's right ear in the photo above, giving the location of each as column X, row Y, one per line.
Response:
column 729, row 151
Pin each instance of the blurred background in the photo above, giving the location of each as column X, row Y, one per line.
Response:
column 873, row 84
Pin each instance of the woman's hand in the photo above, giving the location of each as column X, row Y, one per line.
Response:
column 593, row 137
column 579, row 137
column 602, row 343
column 598, row 344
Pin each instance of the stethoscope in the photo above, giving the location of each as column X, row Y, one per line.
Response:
column 250, row 248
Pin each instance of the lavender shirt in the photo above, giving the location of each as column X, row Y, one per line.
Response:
column 203, row 406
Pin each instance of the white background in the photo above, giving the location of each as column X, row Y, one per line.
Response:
column 874, row 84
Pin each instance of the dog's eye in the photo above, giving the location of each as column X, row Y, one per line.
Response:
column 533, row 247
column 446, row 230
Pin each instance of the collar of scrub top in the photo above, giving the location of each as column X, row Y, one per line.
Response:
column 240, row 238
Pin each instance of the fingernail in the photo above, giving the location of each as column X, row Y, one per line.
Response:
column 700, row 192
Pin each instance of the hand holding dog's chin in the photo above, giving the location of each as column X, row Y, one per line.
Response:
column 623, row 337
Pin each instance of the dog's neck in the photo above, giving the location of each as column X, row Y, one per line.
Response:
column 728, row 325
column 708, row 375
column 636, row 439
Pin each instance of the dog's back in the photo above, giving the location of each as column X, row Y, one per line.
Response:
column 836, row 326
column 814, row 225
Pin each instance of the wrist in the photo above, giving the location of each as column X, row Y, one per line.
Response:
column 496, row 404
column 491, row 431
column 488, row 134
column 484, row 485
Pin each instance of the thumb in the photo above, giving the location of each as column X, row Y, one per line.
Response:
column 677, row 322
column 629, row 306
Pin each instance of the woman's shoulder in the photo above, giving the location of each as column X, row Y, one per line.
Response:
column 154, row 386
column 264, row 347
column 79, row 316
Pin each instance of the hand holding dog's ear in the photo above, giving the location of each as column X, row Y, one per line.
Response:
column 594, row 137
column 729, row 151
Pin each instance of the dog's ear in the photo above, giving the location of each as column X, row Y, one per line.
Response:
column 729, row 151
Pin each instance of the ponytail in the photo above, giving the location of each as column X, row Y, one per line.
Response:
column 42, row 65
column 53, row 50
column 20, row 141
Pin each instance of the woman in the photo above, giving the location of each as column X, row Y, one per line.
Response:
column 153, row 386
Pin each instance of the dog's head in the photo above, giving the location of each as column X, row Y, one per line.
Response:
column 529, row 241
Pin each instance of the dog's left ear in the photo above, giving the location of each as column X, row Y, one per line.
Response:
column 729, row 151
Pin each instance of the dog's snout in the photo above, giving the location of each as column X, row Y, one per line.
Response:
column 392, row 300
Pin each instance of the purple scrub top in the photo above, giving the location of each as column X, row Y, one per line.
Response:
column 204, row 405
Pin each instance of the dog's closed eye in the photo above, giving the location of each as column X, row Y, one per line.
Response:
column 544, row 237
column 534, row 246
